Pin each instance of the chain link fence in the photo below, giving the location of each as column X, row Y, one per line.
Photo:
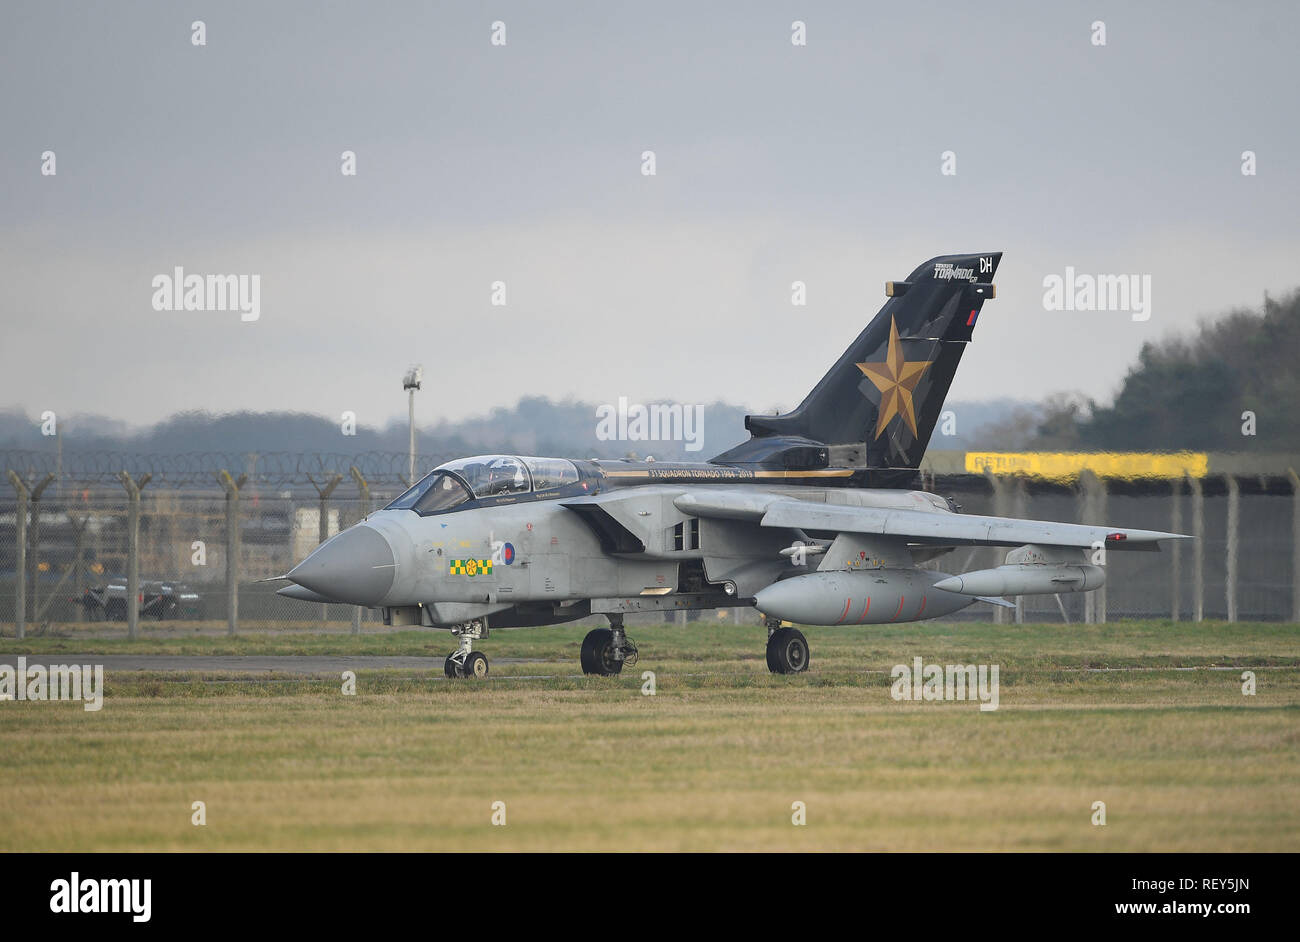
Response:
column 1156, row 584
column 77, row 542
column 76, row 512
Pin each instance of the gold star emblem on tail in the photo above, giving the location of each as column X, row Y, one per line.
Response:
column 895, row 378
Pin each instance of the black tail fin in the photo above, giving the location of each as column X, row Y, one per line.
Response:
column 884, row 395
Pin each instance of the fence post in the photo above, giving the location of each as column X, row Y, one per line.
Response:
column 20, row 565
column 231, row 486
column 323, row 527
column 1295, row 543
column 1234, row 525
column 1103, row 514
column 1175, row 549
column 79, row 585
column 1001, row 508
column 1087, row 515
column 364, row 488
column 133, row 489
column 1198, row 548
column 1019, row 509
column 34, row 558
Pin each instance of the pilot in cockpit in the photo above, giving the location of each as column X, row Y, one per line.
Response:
column 505, row 477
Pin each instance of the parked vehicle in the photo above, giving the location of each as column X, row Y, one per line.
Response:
column 158, row 600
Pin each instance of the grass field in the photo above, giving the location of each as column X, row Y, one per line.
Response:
column 713, row 761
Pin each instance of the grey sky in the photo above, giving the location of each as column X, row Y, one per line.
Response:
column 522, row 164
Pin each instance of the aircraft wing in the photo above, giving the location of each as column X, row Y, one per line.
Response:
column 913, row 526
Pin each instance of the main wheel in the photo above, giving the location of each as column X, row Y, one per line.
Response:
column 771, row 650
column 787, row 651
column 598, row 654
column 476, row 665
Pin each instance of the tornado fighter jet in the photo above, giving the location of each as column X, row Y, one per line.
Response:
column 815, row 520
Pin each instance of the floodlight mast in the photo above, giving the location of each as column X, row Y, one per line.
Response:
column 411, row 382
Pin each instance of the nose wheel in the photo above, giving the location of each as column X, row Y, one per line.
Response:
column 465, row 661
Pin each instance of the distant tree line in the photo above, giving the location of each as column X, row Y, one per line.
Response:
column 533, row 426
column 1185, row 392
column 1209, row 391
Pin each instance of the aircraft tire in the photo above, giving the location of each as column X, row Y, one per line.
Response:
column 596, row 651
column 787, row 651
column 449, row 667
column 476, row 665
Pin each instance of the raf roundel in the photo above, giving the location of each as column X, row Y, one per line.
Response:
column 508, row 553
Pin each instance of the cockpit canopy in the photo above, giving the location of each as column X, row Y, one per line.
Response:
column 458, row 482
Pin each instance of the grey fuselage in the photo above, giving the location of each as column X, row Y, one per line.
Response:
column 614, row 542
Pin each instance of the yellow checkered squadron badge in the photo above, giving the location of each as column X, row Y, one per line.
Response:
column 471, row 567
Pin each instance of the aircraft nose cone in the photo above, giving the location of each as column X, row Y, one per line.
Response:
column 357, row 566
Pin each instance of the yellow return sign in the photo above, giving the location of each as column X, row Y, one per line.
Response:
column 1065, row 466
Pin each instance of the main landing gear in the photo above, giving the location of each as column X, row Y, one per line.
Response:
column 606, row 650
column 465, row 661
column 787, row 648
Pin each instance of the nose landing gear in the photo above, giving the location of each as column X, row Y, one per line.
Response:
column 465, row 661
